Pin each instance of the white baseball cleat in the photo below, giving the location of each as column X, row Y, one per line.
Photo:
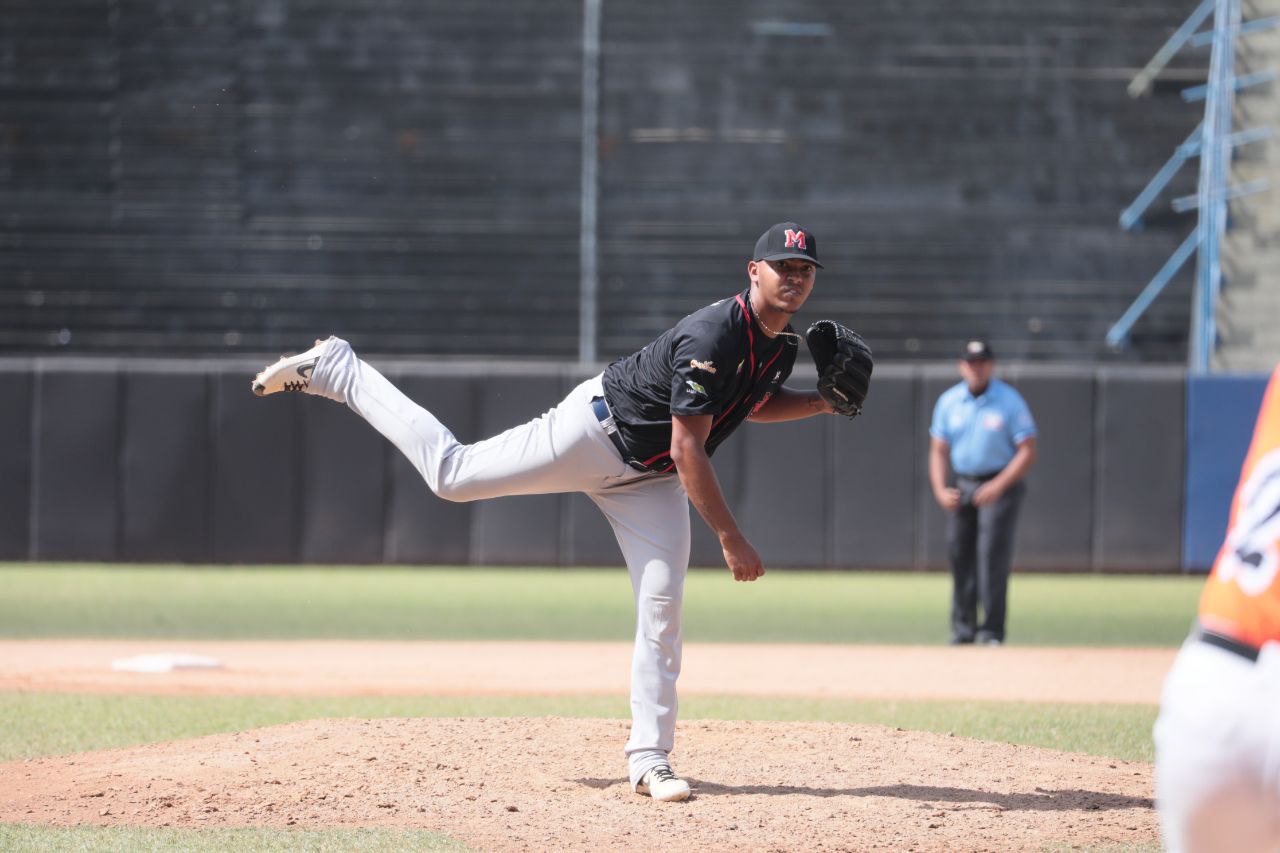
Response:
column 662, row 784
column 290, row 373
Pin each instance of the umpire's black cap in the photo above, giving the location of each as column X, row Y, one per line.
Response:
column 977, row 350
column 787, row 240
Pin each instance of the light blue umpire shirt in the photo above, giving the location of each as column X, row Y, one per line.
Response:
column 984, row 431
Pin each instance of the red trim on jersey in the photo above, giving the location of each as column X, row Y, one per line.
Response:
column 751, row 337
column 751, row 372
column 770, row 364
column 751, row 368
column 752, row 377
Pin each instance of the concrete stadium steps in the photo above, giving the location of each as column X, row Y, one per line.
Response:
column 225, row 177
column 123, row 299
column 1046, row 287
column 229, row 177
column 1249, row 302
column 951, row 170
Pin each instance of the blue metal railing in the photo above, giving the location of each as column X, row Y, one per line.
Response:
column 1213, row 142
column 1131, row 216
column 1141, row 84
column 1246, row 81
column 1214, row 159
column 1117, row 334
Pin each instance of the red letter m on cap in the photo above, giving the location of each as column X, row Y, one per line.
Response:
column 795, row 238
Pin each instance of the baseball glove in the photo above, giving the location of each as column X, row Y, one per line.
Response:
column 844, row 366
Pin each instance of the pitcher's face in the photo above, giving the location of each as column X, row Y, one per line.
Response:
column 784, row 285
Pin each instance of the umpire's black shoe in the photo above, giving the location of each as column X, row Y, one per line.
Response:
column 960, row 641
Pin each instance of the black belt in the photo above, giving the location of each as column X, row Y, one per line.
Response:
column 601, row 409
column 978, row 478
column 1229, row 644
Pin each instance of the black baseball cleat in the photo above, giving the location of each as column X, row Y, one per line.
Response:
column 290, row 373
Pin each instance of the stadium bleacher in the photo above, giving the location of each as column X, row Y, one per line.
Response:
column 193, row 179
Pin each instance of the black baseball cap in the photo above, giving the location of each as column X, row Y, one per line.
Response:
column 977, row 350
column 787, row 240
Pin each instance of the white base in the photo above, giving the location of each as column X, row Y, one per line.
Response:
column 164, row 662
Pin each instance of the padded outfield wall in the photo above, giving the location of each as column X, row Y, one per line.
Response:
column 177, row 461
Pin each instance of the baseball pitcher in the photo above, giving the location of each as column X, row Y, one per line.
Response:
column 636, row 440
column 1218, row 734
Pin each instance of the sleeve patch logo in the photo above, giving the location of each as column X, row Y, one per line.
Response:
column 1251, row 556
column 696, row 388
column 706, row 366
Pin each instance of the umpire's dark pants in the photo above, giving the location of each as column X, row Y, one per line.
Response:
column 980, row 540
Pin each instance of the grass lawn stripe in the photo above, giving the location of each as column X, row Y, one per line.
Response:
column 540, row 604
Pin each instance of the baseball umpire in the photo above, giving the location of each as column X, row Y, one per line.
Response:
column 983, row 431
column 636, row 440
column 1218, row 734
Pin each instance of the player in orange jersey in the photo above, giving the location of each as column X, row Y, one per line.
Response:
column 1218, row 735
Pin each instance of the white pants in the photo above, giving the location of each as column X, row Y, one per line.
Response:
column 1218, row 751
column 564, row 450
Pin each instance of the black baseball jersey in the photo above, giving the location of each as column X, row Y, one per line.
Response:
column 714, row 362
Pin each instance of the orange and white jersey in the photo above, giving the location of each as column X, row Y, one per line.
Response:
column 1241, row 599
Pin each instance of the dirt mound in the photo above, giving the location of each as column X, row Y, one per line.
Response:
column 553, row 783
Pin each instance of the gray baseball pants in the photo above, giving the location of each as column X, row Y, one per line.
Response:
column 564, row 450
column 980, row 545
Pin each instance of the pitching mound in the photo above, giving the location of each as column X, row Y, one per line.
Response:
column 553, row 783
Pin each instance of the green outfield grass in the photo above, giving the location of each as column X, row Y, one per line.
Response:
column 497, row 604
column 55, row 723
column 44, row 601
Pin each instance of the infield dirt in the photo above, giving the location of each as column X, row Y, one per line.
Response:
column 371, row 667
column 556, row 783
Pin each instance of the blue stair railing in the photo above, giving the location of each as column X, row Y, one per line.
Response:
column 1213, row 142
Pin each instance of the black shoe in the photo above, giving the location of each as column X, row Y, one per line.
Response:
column 960, row 641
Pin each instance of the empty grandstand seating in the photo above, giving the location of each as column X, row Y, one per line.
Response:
column 1249, row 303
column 228, row 177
